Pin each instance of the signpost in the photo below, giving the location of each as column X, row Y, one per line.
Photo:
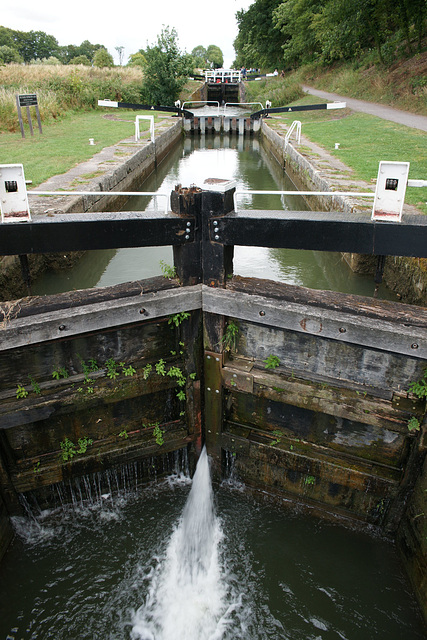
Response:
column 28, row 100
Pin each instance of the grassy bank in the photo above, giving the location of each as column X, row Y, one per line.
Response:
column 364, row 141
column 65, row 143
column 64, row 88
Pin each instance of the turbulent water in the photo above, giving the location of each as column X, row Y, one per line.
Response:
column 174, row 560
column 188, row 597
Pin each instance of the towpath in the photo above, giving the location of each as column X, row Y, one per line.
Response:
column 386, row 113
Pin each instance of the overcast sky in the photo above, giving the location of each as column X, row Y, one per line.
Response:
column 131, row 24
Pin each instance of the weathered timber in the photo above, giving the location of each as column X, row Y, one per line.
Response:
column 57, row 400
column 348, row 492
column 345, row 403
column 137, row 344
column 34, row 305
column 355, row 305
column 310, row 451
column 321, row 430
column 99, row 316
column 396, row 337
column 188, row 257
column 216, row 258
column 41, row 471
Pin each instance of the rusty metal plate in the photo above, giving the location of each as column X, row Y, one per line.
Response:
column 239, row 380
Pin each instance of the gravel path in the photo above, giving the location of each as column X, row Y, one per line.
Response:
column 386, row 113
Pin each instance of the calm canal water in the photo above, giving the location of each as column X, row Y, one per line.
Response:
column 113, row 568
column 196, row 159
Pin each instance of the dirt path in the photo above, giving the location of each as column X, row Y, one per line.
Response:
column 379, row 110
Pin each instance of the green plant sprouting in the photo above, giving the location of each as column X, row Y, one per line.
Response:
column 21, row 392
column 419, row 388
column 413, row 424
column 70, row 450
column 178, row 318
column 272, row 362
column 60, row 373
column 231, row 333
column 167, row 271
column 128, row 370
column 124, row 434
column 158, row 434
column 146, row 371
column 35, row 385
column 278, row 439
column 111, row 366
column 160, row 367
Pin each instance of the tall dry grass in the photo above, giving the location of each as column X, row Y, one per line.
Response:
column 61, row 88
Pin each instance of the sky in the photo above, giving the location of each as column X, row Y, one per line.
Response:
column 132, row 25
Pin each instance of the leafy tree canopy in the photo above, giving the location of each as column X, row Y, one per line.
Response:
column 9, row 54
column 80, row 60
column 258, row 44
column 137, row 59
column 102, row 58
column 277, row 33
column 166, row 69
column 200, row 56
column 214, row 57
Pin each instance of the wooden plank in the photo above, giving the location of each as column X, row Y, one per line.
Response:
column 415, row 316
column 319, row 322
column 72, row 299
column 344, row 403
column 95, row 317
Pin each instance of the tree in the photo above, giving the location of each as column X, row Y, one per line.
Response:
column 214, row 57
column 6, row 37
column 166, row 69
column 137, row 59
column 9, row 54
column 258, row 43
column 36, row 45
column 80, row 60
column 86, row 48
column 200, row 57
column 102, row 58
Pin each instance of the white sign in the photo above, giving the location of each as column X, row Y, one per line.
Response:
column 390, row 192
column 13, row 194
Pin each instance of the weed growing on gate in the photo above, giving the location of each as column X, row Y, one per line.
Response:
column 230, row 337
column 272, row 362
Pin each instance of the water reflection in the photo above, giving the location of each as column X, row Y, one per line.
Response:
column 232, row 157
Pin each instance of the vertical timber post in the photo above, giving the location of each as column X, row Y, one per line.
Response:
column 217, row 263
column 188, row 266
column 208, row 261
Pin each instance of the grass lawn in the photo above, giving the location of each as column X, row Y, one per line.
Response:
column 364, row 141
column 65, row 143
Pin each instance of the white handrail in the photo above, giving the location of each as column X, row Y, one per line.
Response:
column 300, row 193
column 102, row 193
column 295, row 125
column 137, row 131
